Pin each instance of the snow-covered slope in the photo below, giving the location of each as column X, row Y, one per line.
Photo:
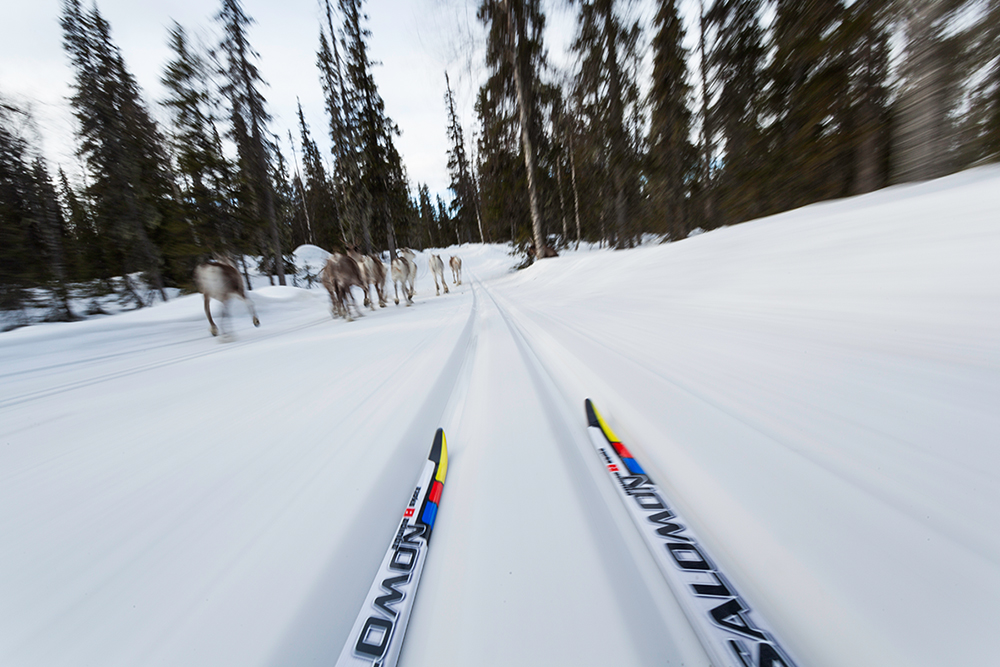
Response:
column 816, row 392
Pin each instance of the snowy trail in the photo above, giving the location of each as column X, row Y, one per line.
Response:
column 826, row 431
column 530, row 549
column 815, row 392
column 197, row 535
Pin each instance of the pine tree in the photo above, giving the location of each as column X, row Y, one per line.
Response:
column 866, row 36
column 809, row 155
column 84, row 247
column 671, row 155
column 737, row 67
column 319, row 193
column 248, row 122
column 351, row 200
column 131, row 186
column 503, row 181
column 930, row 91
column 465, row 205
column 982, row 126
column 515, row 56
column 205, row 173
column 51, row 226
column 608, row 96
column 15, row 216
column 381, row 189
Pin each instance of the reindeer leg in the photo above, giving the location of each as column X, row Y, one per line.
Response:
column 208, row 311
column 253, row 311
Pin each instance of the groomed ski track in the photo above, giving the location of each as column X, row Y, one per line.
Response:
column 252, row 538
column 169, row 500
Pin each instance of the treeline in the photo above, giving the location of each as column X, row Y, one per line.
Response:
column 781, row 103
column 155, row 200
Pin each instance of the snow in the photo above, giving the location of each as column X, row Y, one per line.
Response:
column 816, row 392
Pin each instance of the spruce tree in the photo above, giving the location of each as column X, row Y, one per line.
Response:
column 810, row 156
column 319, row 193
column 130, row 185
column 982, row 129
column 866, row 37
column 737, row 64
column 930, row 91
column 381, row 189
column 204, row 171
column 248, row 124
column 350, row 198
column 515, row 56
column 608, row 95
column 15, row 214
column 51, row 226
column 670, row 162
column 465, row 205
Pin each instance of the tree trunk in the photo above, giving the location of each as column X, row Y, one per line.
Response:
column 576, row 193
column 562, row 204
column 527, row 147
column 706, row 125
column 922, row 140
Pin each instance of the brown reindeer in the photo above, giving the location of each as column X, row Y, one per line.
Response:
column 218, row 279
column 547, row 251
column 338, row 276
column 456, row 269
column 373, row 272
column 437, row 268
column 404, row 272
column 376, row 273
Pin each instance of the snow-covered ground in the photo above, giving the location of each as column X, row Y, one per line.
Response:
column 817, row 392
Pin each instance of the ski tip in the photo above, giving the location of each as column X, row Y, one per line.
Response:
column 439, row 455
column 592, row 419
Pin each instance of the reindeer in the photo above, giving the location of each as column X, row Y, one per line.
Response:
column 376, row 273
column 218, row 279
column 404, row 272
column 547, row 251
column 339, row 275
column 456, row 269
column 437, row 268
column 369, row 275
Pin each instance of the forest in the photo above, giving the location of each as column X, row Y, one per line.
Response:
column 782, row 103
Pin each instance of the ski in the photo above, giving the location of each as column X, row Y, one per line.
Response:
column 377, row 636
column 731, row 632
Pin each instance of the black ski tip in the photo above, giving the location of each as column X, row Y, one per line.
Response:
column 591, row 414
column 435, row 454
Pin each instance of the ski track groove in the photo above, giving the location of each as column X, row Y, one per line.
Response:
column 983, row 551
column 79, row 384
column 590, row 483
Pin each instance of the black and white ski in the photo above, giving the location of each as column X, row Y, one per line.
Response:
column 377, row 636
column 731, row 632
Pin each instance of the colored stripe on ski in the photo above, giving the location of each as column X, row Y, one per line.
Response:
column 377, row 635
column 731, row 632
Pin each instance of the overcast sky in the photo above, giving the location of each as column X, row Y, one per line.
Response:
column 415, row 41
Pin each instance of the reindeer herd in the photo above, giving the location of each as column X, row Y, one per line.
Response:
column 220, row 280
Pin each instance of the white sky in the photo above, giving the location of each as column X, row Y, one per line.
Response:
column 415, row 41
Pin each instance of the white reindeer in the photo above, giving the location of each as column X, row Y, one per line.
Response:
column 456, row 269
column 404, row 272
column 219, row 280
column 437, row 268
